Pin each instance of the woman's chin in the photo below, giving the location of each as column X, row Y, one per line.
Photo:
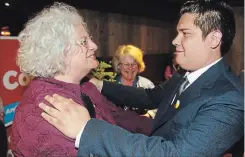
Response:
column 94, row 64
column 129, row 78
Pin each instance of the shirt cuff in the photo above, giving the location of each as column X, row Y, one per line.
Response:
column 152, row 113
column 78, row 137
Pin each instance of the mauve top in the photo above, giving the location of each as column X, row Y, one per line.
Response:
column 33, row 136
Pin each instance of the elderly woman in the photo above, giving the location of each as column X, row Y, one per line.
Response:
column 128, row 63
column 56, row 49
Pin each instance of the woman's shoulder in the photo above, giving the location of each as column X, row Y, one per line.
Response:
column 145, row 82
column 28, row 124
column 28, row 109
column 144, row 79
column 38, row 89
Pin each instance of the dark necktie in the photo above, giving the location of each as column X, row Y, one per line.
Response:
column 183, row 85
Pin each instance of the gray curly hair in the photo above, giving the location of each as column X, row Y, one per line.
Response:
column 46, row 38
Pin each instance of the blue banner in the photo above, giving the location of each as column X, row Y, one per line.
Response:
column 9, row 112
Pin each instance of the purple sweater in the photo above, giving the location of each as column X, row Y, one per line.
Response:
column 33, row 136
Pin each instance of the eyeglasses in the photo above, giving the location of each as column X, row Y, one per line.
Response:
column 128, row 65
column 84, row 41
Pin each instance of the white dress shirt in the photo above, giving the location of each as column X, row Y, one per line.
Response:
column 193, row 76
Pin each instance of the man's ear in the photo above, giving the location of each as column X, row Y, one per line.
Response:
column 215, row 39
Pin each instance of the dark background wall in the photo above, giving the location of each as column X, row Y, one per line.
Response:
column 109, row 30
column 153, row 36
column 150, row 25
column 236, row 55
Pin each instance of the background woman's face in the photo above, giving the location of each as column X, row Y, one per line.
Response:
column 128, row 67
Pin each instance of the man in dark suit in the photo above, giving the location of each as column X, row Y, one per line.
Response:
column 199, row 113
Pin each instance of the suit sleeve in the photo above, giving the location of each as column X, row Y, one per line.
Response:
column 216, row 128
column 133, row 97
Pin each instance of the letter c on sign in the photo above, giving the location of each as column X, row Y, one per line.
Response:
column 6, row 82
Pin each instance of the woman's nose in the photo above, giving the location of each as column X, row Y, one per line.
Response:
column 92, row 46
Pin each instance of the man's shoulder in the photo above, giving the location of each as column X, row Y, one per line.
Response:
column 228, row 82
column 234, row 81
column 228, row 90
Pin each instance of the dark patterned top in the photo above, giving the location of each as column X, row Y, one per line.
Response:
column 32, row 136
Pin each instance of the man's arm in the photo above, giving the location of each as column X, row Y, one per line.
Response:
column 215, row 129
column 131, row 96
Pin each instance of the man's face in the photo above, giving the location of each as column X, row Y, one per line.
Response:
column 192, row 51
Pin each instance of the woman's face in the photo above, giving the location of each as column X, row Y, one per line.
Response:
column 84, row 58
column 128, row 67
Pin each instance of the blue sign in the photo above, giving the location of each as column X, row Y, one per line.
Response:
column 9, row 112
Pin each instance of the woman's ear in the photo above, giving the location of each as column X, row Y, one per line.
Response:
column 118, row 68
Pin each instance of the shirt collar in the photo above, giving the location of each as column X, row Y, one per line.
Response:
column 192, row 76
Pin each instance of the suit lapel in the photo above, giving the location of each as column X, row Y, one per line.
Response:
column 193, row 92
column 205, row 81
column 170, row 89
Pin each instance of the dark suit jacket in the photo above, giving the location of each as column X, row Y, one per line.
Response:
column 208, row 121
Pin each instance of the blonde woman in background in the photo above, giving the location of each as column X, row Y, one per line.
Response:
column 128, row 63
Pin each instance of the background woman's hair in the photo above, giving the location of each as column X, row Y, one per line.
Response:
column 132, row 51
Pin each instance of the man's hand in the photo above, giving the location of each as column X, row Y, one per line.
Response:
column 97, row 83
column 67, row 116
